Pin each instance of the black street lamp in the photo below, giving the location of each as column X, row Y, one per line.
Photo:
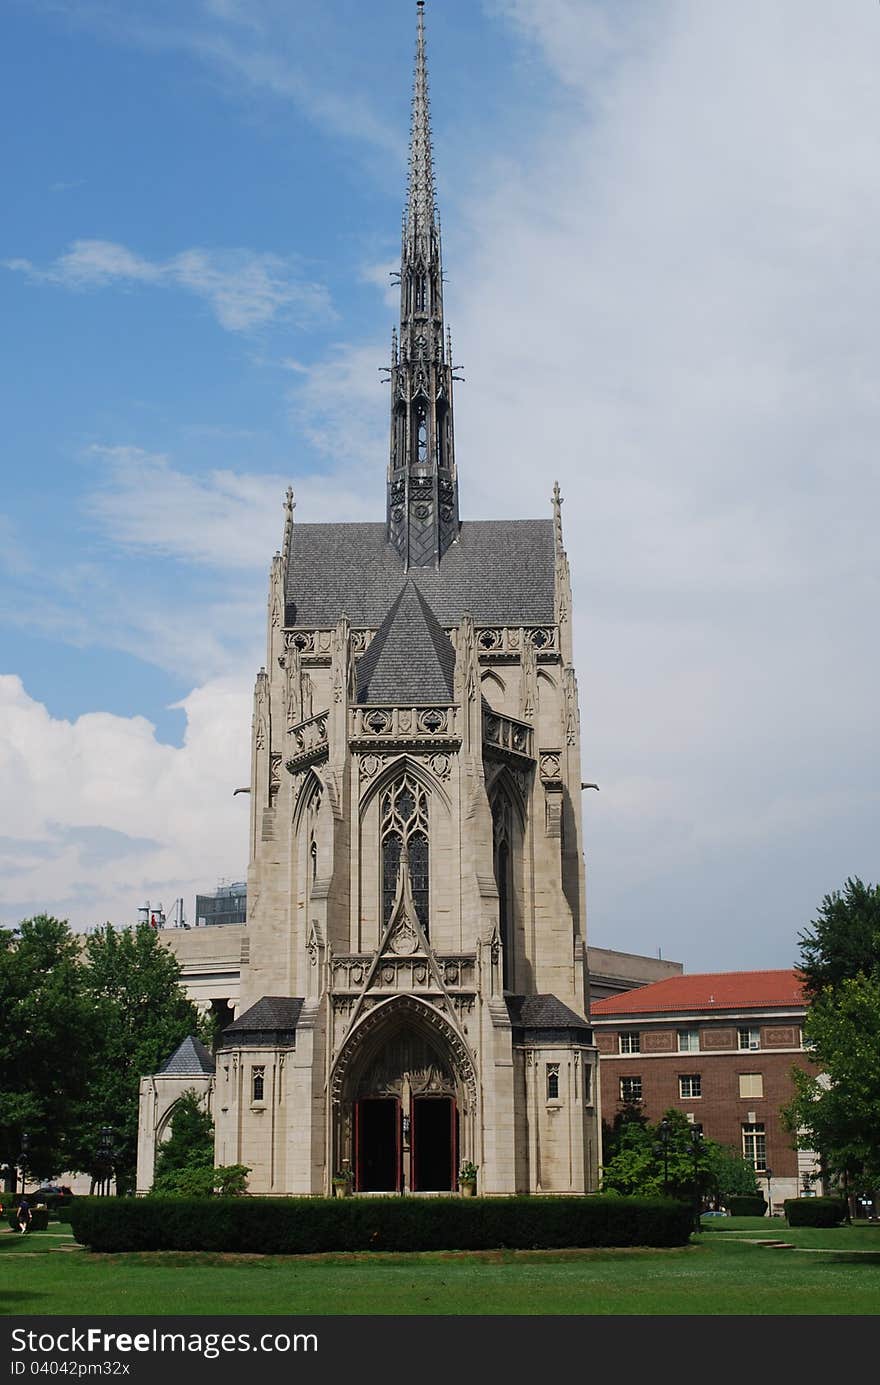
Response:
column 768, row 1174
column 696, row 1148
column 105, row 1158
column 23, row 1158
column 664, row 1136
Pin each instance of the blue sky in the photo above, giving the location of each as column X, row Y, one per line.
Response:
column 660, row 241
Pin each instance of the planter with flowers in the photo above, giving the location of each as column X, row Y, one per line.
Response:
column 467, row 1179
column 343, row 1183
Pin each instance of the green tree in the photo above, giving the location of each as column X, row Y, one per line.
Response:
column 191, row 1142
column 48, row 1037
column 843, row 941
column 838, row 1113
column 652, row 1159
column 133, row 982
column 731, row 1174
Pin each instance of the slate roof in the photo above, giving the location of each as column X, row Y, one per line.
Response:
column 533, row 1014
column 273, row 1019
column 269, row 1012
column 499, row 570
column 189, row 1059
column 708, row 991
column 410, row 658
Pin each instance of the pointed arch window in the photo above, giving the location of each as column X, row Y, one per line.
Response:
column 311, row 837
column 404, row 822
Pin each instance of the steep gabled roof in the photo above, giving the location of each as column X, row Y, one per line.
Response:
column 189, row 1059
column 709, row 991
column 501, row 571
column 410, row 658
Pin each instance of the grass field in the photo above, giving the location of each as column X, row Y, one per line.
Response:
column 720, row 1273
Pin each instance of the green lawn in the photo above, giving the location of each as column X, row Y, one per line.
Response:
column 720, row 1273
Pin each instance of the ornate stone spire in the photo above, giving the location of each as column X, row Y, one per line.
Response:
column 422, row 484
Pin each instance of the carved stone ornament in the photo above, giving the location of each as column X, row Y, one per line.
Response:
column 551, row 765
column 403, row 939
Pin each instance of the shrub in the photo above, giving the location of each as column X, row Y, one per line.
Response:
column 229, row 1180
column 814, row 1211
column 747, row 1206
column 301, row 1226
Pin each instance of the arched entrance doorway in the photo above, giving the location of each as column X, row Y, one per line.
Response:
column 400, row 1102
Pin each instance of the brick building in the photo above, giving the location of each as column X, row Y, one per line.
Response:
column 718, row 1047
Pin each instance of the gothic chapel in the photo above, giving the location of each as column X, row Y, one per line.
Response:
column 414, row 980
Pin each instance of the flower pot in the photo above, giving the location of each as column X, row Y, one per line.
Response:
column 467, row 1187
column 342, row 1189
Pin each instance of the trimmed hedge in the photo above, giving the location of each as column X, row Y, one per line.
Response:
column 300, row 1226
column 745, row 1205
column 814, row 1211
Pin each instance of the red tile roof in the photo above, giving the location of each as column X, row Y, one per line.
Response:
column 717, row 990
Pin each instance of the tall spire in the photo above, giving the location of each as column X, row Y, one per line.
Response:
column 422, row 483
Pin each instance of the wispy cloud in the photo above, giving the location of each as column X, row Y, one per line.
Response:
column 243, row 288
column 259, row 50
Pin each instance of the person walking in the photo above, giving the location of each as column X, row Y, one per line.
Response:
column 23, row 1216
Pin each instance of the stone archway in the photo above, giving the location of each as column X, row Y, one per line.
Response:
column 403, row 1100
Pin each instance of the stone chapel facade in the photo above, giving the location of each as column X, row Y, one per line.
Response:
column 414, row 971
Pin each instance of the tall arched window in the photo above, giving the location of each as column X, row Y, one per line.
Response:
column 404, row 820
column 501, row 843
column 314, row 809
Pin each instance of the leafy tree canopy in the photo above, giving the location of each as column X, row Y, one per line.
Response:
column 838, row 1113
column 49, row 1034
column 652, row 1159
column 133, row 982
column 844, row 939
column 191, row 1142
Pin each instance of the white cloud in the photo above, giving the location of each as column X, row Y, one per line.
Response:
column 244, row 289
column 96, row 816
column 669, row 303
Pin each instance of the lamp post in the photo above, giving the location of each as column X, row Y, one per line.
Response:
column 696, row 1147
column 664, row 1135
column 768, row 1174
column 105, row 1157
column 23, row 1158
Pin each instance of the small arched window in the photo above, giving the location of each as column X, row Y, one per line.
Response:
column 552, row 1081
column 258, row 1076
column 422, row 438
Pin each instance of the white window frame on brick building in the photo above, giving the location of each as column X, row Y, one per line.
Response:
column 754, row 1138
column 688, row 1040
column 630, row 1088
column 748, row 1037
column 690, row 1086
column 629, row 1041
